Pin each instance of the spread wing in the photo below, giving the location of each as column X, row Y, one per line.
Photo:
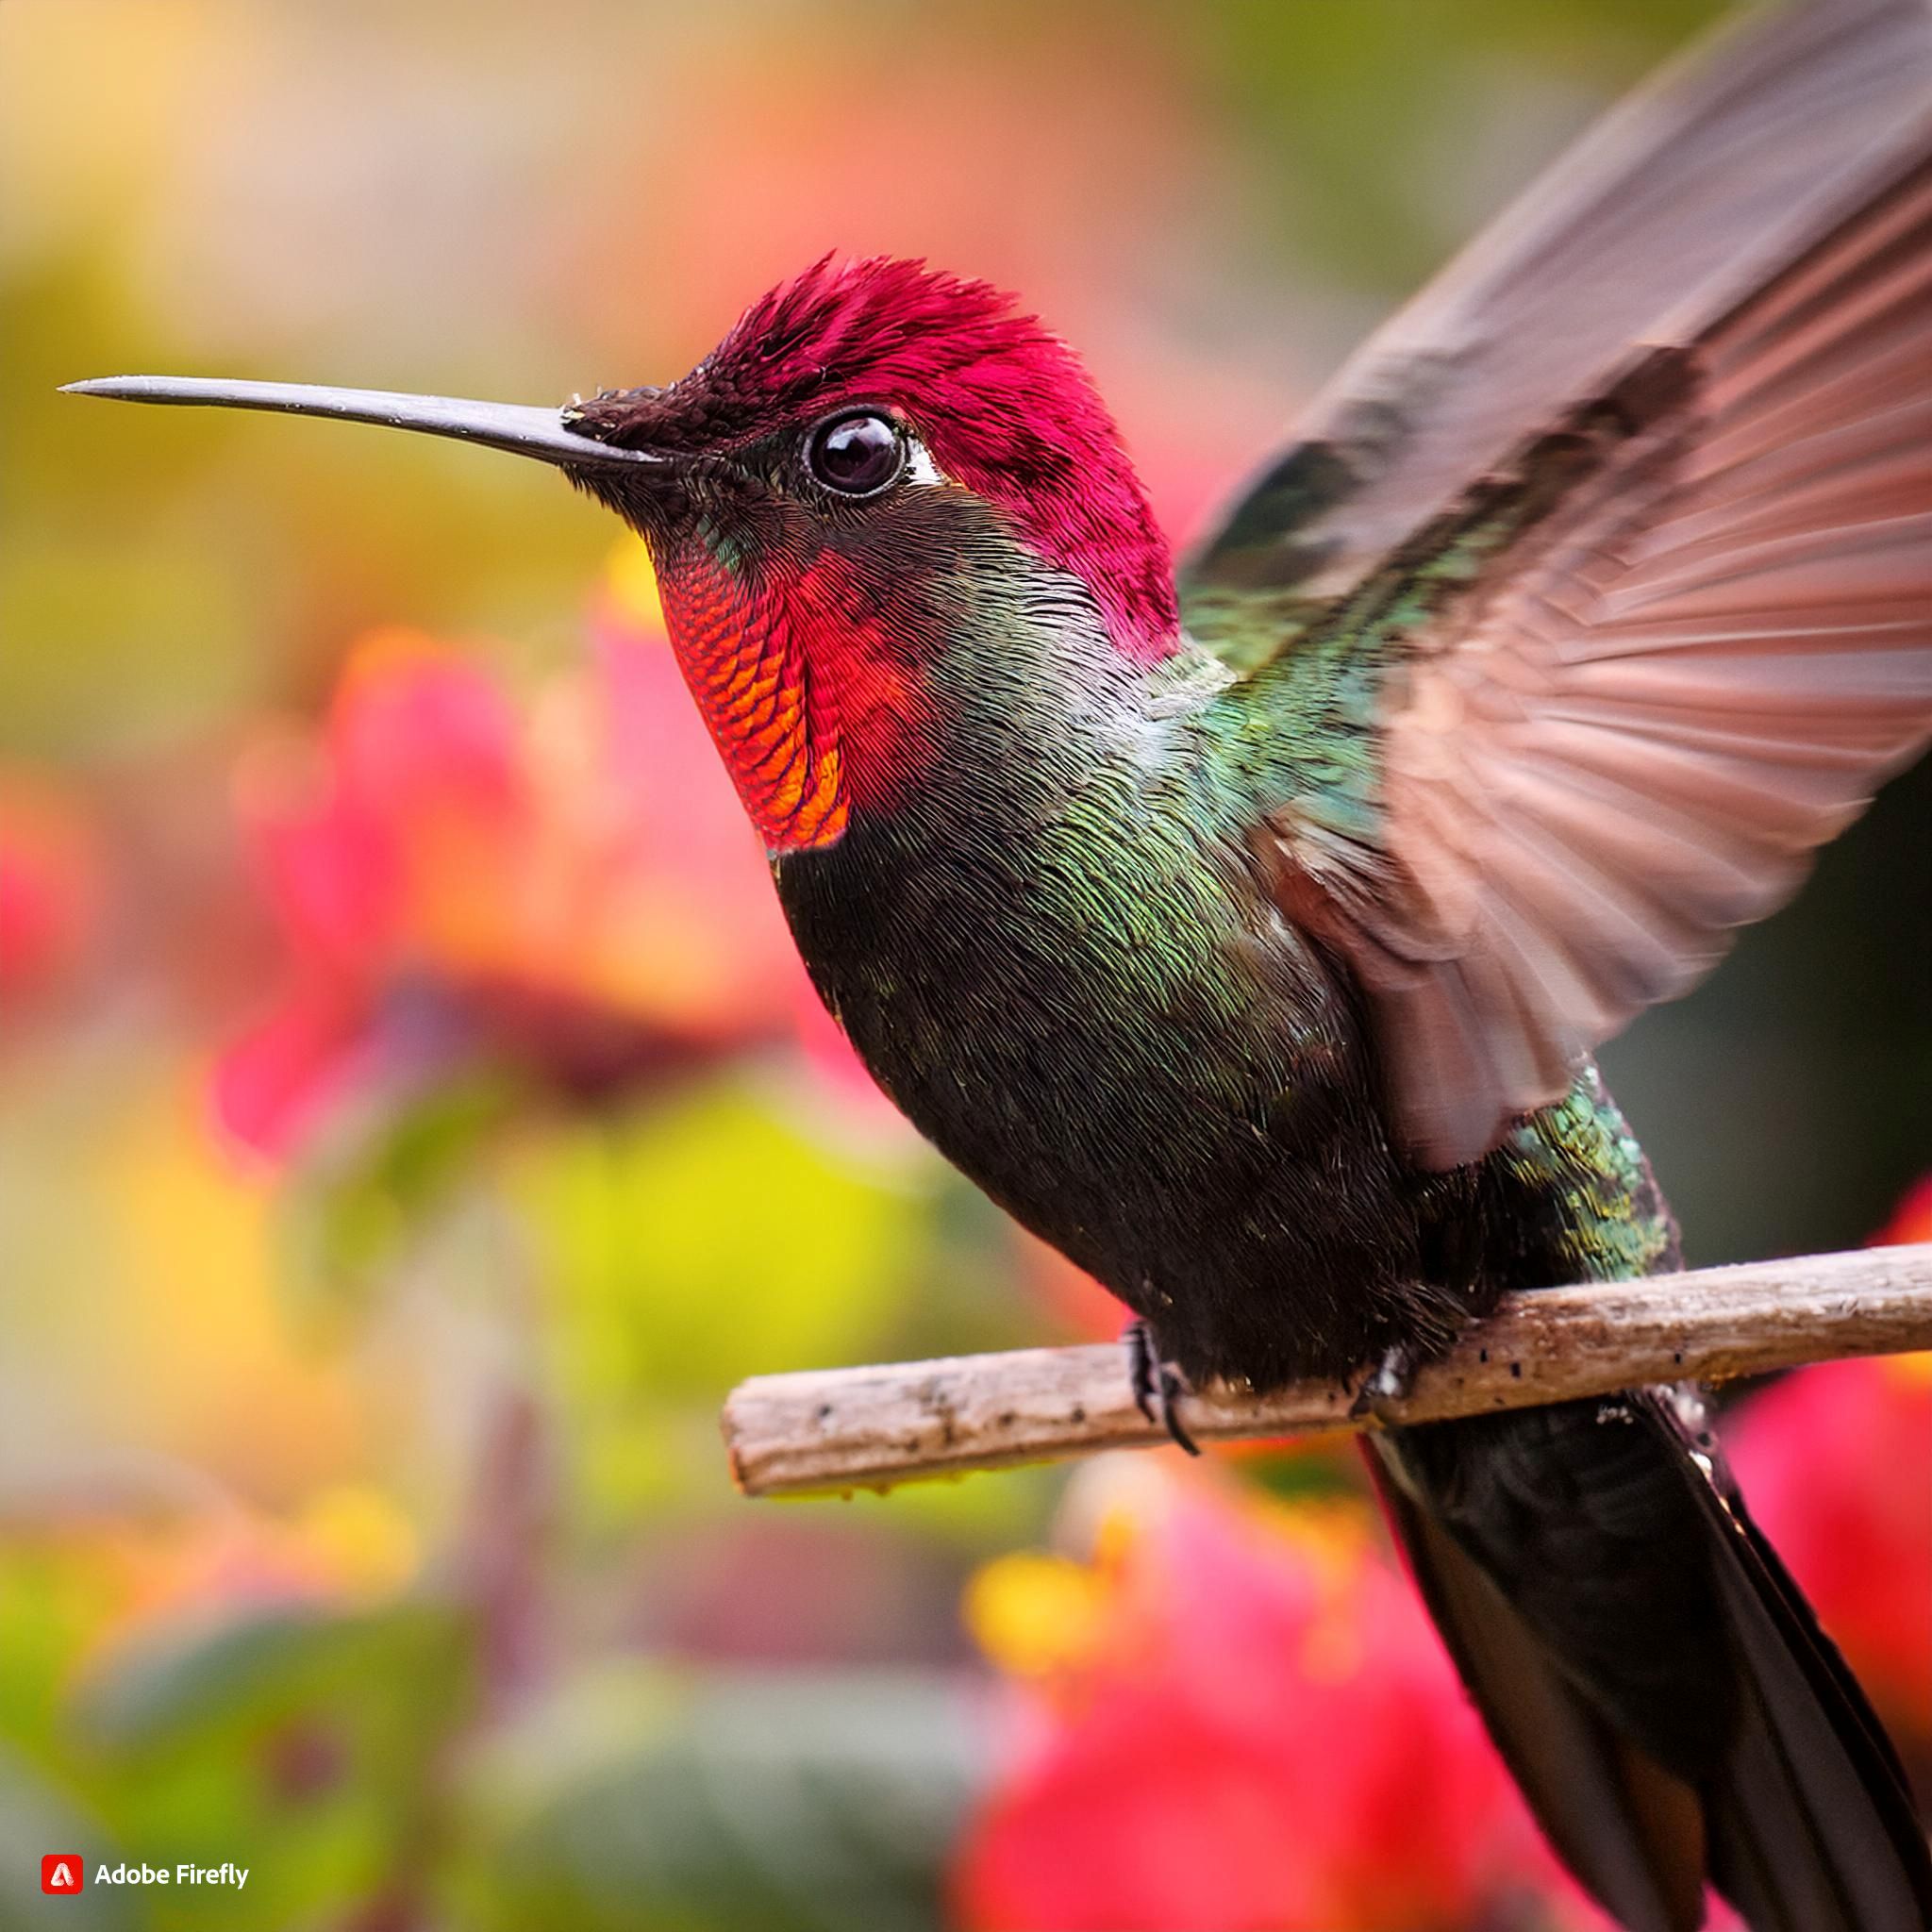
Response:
column 1602, row 578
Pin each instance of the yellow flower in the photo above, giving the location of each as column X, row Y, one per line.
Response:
column 1035, row 1614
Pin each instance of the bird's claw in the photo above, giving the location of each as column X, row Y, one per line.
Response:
column 1389, row 1380
column 1158, row 1385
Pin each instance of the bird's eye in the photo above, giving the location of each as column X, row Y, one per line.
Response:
column 857, row 456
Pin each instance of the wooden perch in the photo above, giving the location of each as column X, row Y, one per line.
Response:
column 847, row 1428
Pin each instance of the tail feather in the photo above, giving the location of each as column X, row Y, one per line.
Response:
column 1811, row 1823
column 1651, row 1674
column 1630, row 1832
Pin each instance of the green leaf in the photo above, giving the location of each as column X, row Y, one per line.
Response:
column 384, row 1171
column 304, row 1743
column 700, row 1242
column 268, row 1663
column 757, row 1802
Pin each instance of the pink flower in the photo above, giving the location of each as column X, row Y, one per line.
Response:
column 1911, row 1220
column 49, row 891
column 1833, row 1460
column 570, row 892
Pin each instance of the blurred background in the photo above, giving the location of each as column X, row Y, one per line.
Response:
column 412, row 1119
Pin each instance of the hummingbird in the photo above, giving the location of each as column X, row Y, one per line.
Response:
column 1246, row 933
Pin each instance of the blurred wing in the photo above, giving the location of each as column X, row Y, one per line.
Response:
column 1615, row 690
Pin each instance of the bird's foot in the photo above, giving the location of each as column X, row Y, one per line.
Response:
column 1389, row 1380
column 1157, row 1385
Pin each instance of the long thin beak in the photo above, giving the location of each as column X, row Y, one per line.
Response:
column 545, row 434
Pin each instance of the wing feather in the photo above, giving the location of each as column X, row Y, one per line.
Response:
column 1691, row 657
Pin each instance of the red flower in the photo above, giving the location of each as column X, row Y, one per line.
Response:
column 1234, row 1716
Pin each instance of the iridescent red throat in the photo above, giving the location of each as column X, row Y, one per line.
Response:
column 811, row 693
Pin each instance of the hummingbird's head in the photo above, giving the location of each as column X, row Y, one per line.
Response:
column 875, row 458
column 878, row 472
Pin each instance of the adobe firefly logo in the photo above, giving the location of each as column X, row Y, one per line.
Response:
column 63, row 1872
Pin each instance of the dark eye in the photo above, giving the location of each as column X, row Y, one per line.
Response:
column 857, row 456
